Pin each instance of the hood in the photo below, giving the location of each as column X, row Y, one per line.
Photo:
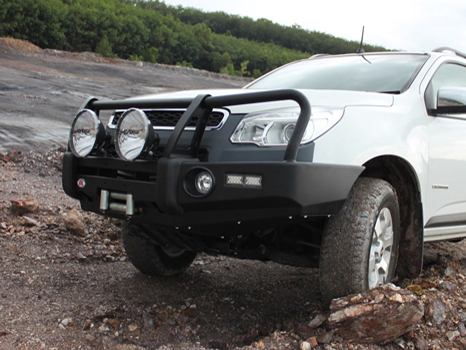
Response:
column 317, row 98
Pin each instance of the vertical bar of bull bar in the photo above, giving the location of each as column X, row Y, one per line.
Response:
column 199, row 132
column 104, row 196
column 129, row 204
column 172, row 142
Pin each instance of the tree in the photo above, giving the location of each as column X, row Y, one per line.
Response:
column 220, row 61
column 151, row 55
column 104, row 47
column 38, row 21
column 152, row 31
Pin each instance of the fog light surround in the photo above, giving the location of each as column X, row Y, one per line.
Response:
column 199, row 182
column 87, row 133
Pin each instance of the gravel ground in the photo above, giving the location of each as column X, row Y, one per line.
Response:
column 63, row 290
column 60, row 290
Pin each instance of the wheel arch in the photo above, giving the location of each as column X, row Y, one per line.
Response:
column 401, row 176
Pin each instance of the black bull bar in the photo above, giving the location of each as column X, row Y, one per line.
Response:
column 331, row 182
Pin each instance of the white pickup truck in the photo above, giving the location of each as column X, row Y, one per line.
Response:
column 347, row 163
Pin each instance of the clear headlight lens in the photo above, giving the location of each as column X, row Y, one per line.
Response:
column 134, row 134
column 274, row 128
column 87, row 133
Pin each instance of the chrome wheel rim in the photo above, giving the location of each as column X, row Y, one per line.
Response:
column 381, row 249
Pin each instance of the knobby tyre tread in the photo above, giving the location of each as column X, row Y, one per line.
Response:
column 347, row 238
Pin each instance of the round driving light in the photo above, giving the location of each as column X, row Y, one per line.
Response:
column 134, row 134
column 204, row 182
column 87, row 133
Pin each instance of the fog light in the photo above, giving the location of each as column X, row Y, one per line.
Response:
column 204, row 182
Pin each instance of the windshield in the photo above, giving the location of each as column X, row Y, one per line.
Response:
column 390, row 73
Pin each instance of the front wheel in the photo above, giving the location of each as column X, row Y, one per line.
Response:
column 151, row 258
column 359, row 248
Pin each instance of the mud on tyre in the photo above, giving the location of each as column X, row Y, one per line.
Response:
column 360, row 244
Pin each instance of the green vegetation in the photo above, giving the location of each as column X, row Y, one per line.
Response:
column 151, row 31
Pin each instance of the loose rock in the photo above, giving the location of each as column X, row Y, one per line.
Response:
column 114, row 322
column 133, row 327
column 308, row 344
column 27, row 221
column 438, row 309
column 452, row 335
column 317, row 321
column 305, row 346
column 90, row 337
column 421, row 344
column 378, row 316
column 23, row 206
column 462, row 330
column 325, row 337
column 74, row 223
column 148, row 323
column 66, row 322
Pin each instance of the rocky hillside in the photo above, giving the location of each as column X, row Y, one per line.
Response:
column 42, row 90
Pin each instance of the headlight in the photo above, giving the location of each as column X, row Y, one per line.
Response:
column 274, row 128
column 134, row 134
column 87, row 133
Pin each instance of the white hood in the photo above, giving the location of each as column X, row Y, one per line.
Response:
column 321, row 98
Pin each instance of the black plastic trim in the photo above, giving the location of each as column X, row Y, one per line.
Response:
column 69, row 175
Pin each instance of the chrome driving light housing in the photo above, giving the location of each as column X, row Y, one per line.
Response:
column 275, row 128
column 87, row 133
column 134, row 134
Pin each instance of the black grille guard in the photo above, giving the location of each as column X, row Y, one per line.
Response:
column 203, row 104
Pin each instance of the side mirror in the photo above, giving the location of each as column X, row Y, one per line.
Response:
column 451, row 100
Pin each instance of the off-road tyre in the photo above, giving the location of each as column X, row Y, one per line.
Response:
column 150, row 258
column 347, row 239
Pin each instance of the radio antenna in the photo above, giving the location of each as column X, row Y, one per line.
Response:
column 360, row 49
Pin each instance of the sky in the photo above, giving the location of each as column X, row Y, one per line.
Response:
column 407, row 25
